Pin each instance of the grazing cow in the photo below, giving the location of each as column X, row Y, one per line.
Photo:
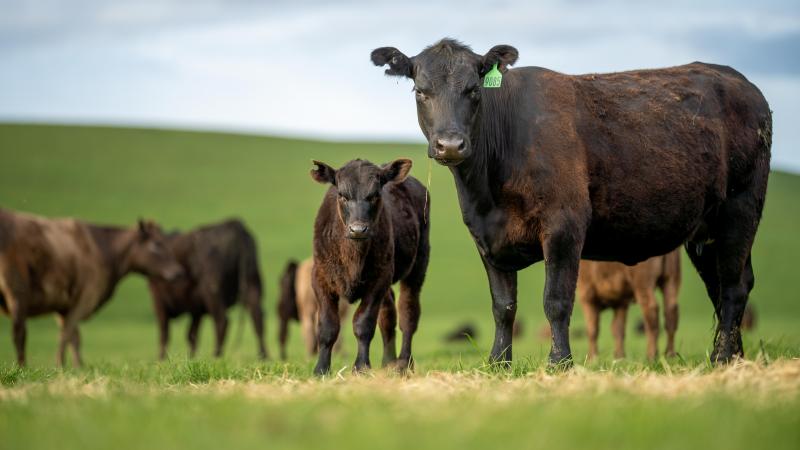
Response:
column 221, row 266
column 71, row 268
column 612, row 167
column 298, row 302
column 371, row 232
column 614, row 285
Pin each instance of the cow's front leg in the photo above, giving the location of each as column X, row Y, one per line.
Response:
column 503, row 286
column 562, row 253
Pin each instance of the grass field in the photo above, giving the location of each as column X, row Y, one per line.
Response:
column 123, row 398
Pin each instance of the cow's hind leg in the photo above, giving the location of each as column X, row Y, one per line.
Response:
column 253, row 303
column 646, row 298
column 15, row 301
column 191, row 334
column 670, row 292
column 409, row 310
column 618, row 330
column 387, row 322
column 591, row 314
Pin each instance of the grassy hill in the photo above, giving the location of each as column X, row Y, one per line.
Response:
column 184, row 179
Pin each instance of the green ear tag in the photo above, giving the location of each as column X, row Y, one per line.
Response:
column 493, row 78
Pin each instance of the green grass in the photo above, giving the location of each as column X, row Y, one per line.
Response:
column 184, row 179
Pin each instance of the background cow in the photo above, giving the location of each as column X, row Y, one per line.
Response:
column 612, row 167
column 221, row 266
column 613, row 285
column 71, row 268
column 298, row 302
column 371, row 231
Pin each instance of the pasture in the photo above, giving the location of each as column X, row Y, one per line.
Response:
column 124, row 398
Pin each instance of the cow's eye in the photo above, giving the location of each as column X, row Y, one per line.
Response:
column 421, row 96
column 475, row 92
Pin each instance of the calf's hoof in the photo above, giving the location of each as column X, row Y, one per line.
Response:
column 402, row 365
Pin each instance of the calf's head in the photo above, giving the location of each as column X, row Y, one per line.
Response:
column 448, row 85
column 150, row 255
column 358, row 186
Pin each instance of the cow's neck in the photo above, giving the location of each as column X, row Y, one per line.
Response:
column 115, row 245
column 491, row 163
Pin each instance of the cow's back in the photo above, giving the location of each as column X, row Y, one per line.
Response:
column 409, row 207
column 662, row 148
column 62, row 263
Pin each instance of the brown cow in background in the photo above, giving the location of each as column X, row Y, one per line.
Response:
column 221, row 265
column 298, row 302
column 71, row 268
column 613, row 285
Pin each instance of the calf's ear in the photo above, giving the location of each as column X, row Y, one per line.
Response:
column 400, row 65
column 323, row 173
column 395, row 171
column 502, row 55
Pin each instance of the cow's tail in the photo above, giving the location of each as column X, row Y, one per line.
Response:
column 250, row 288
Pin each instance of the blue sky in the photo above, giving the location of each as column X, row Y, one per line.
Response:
column 304, row 69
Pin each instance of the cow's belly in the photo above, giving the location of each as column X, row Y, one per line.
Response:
column 632, row 238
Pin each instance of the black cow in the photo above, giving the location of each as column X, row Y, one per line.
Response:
column 615, row 167
column 221, row 266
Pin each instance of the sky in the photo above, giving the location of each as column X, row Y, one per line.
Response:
column 304, row 69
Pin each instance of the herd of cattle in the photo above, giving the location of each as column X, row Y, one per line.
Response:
column 603, row 177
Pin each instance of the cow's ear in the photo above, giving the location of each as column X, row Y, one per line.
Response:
column 142, row 227
column 396, row 171
column 323, row 173
column 502, row 55
column 399, row 64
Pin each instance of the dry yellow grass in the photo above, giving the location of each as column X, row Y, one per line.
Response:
column 752, row 381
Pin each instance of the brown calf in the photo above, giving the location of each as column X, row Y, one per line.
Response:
column 298, row 302
column 614, row 285
column 371, row 231
column 70, row 268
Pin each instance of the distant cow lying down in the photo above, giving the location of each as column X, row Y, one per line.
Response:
column 298, row 302
column 614, row 285
column 221, row 266
column 71, row 268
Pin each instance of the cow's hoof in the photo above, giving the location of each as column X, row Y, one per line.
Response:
column 321, row 370
column 560, row 361
column 727, row 348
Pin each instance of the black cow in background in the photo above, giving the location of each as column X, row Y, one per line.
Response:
column 221, row 266
column 613, row 167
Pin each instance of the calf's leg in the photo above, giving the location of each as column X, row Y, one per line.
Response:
column 409, row 312
column 364, row 322
column 387, row 322
column 328, row 330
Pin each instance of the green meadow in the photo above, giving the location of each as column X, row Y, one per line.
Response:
column 123, row 398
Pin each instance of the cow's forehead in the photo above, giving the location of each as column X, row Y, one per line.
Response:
column 453, row 69
column 358, row 177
